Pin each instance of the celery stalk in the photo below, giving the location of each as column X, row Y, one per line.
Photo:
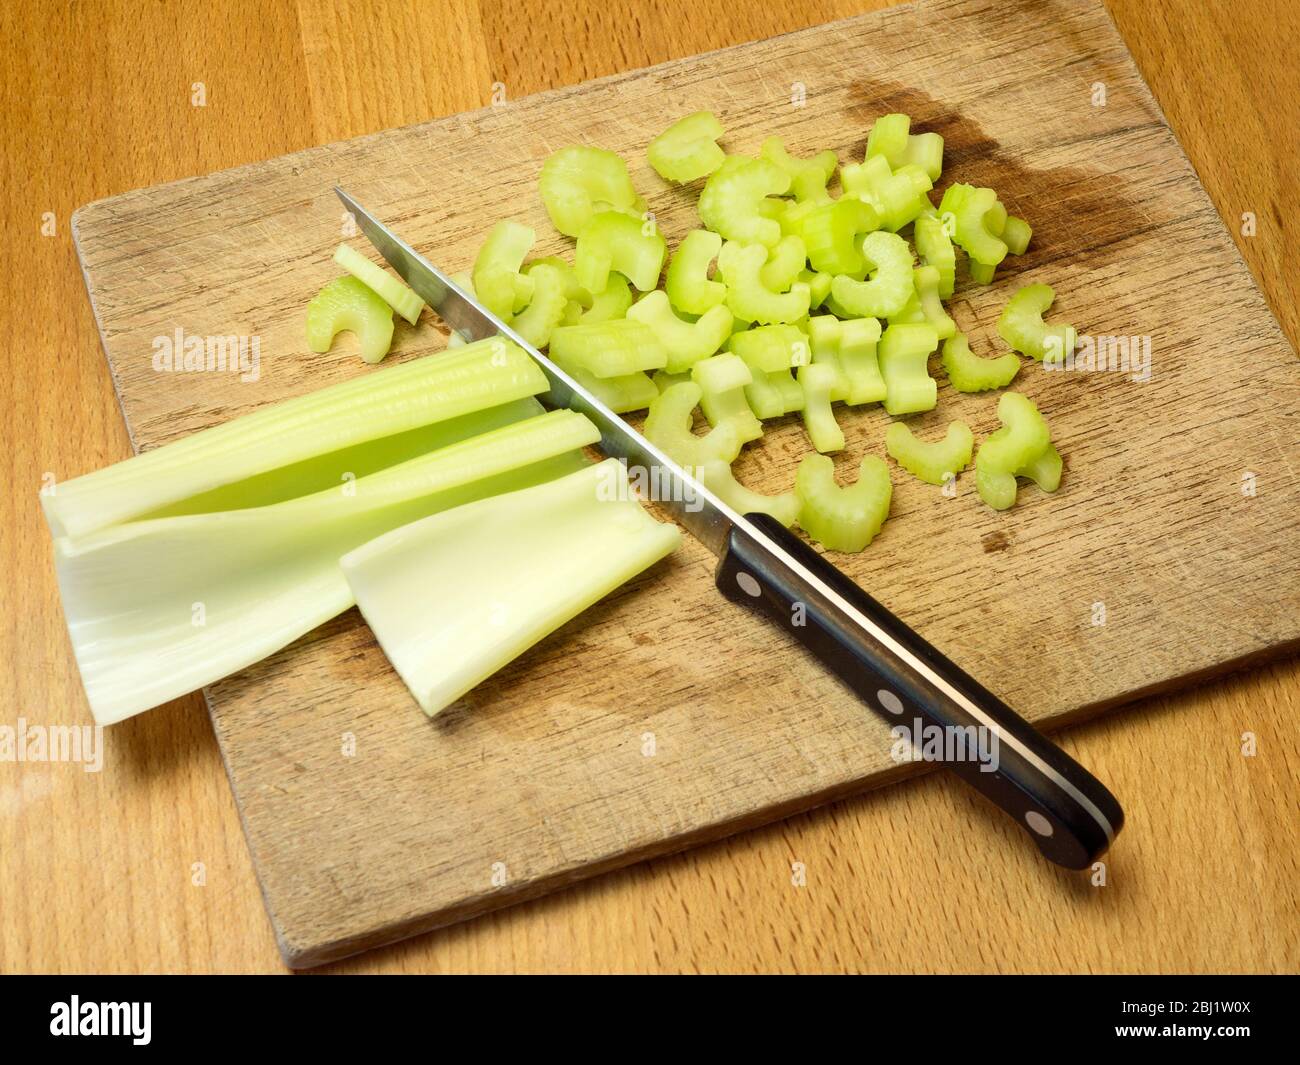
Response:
column 378, row 404
column 159, row 608
column 455, row 597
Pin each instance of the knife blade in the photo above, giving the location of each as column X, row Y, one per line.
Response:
column 1068, row 813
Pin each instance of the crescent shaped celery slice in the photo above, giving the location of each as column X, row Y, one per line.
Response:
column 498, row 282
column 545, row 311
column 578, row 182
column 455, row 597
column 668, row 425
column 392, row 290
column 722, row 380
column 733, row 200
column 843, row 518
column 685, row 343
column 1021, row 448
column 689, row 287
column 786, row 260
column 833, row 236
column 934, row 246
column 817, row 380
column 688, row 149
column 969, row 207
column 891, row 283
column 612, row 240
column 1021, row 325
column 376, row 404
column 968, row 372
column 718, row 478
column 808, row 177
column 741, row 267
column 158, row 608
column 933, row 461
column 609, row 349
column 347, row 303
column 609, row 304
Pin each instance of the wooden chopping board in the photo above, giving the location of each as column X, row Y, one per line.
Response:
column 665, row 715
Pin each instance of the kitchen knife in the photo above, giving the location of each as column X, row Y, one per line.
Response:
column 1066, row 811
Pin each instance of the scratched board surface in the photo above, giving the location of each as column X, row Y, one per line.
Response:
column 665, row 715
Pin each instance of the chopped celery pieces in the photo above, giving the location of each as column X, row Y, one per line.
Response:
column 904, row 352
column 832, row 235
column 722, row 380
column 785, row 262
column 545, row 311
column 264, row 575
column 576, row 183
column 843, row 518
column 1021, row 325
column 348, row 304
column 818, row 381
column 935, row 247
column 1016, row 234
column 668, row 425
column 686, row 343
column 891, row 284
column 688, row 149
column 378, row 404
column 890, row 137
column 968, row 207
column 615, row 241
column 609, row 303
column 733, row 198
column 808, row 177
column 456, row 596
column 498, row 282
column 717, row 477
column 626, row 392
column 967, row 372
column 741, row 266
column 392, row 290
column 689, row 288
column 934, row 462
column 898, row 197
column 1021, row 448
column 850, row 347
column 609, row 349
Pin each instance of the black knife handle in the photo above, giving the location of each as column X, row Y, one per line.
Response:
column 1065, row 810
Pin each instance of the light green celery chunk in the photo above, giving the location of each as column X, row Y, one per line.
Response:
column 979, row 273
column 832, row 235
column 1016, row 234
column 349, row 304
column 903, row 352
column 857, row 359
column 688, row 149
column 731, row 201
column 664, row 380
column 392, row 290
column 968, row 372
column 718, row 477
column 546, row 309
column 824, row 343
column 722, row 380
column 995, row 219
column 926, row 151
column 668, row 425
column 689, row 287
column 578, row 182
column 264, row 575
column 843, row 518
column 626, row 392
column 1022, row 447
column 376, row 404
column 573, row 312
column 934, row 246
column 497, row 279
column 785, row 262
column 609, row 349
column 771, row 348
column 888, row 137
column 926, row 279
column 573, row 290
column 818, row 381
column 968, row 207
column 685, row 343
column 891, row 282
column 933, row 461
column 741, row 267
column 616, row 241
column 456, row 596
column 897, row 196
column 1021, row 325
column 808, row 177
column 771, row 395
column 610, row 303
column 819, row 286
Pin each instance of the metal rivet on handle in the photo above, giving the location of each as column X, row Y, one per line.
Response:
column 1038, row 823
column 748, row 585
column 890, row 701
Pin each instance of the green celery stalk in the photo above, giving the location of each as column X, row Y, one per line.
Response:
column 455, row 597
column 378, row 404
column 162, row 607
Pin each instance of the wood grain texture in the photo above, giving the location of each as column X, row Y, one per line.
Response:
column 875, row 897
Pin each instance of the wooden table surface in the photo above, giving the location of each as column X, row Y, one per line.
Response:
column 143, row 867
